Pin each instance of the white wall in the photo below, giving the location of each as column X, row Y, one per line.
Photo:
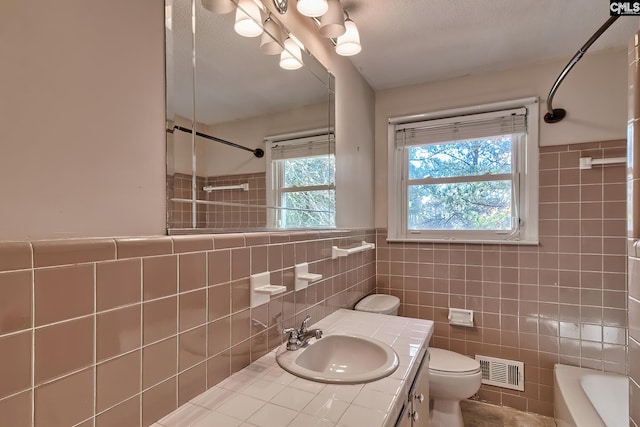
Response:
column 222, row 160
column 594, row 95
column 82, row 118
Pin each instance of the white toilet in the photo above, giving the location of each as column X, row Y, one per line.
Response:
column 452, row 378
column 379, row 303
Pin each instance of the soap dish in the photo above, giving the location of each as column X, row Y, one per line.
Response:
column 271, row 289
column 310, row 277
column 261, row 289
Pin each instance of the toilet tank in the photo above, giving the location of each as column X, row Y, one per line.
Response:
column 379, row 303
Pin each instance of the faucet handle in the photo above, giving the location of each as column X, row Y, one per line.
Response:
column 292, row 331
column 303, row 327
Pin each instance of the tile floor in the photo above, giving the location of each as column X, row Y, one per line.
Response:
column 478, row 414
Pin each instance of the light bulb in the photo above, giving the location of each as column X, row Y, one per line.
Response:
column 291, row 56
column 348, row 44
column 248, row 19
column 313, row 8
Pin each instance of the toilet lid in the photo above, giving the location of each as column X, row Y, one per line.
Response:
column 449, row 361
column 378, row 303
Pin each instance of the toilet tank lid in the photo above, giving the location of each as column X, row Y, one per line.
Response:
column 378, row 303
column 449, row 361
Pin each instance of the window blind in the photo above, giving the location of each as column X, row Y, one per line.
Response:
column 469, row 127
column 318, row 145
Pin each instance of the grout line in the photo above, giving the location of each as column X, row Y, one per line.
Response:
column 95, row 341
column 33, row 336
column 178, row 313
column 141, row 338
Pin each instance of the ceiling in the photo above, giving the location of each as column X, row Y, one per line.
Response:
column 403, row 42
column 414, row 41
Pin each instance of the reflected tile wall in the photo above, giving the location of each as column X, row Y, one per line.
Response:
column 127, row 329
column 564, row 301
column 218, row 216
column 223, row 216
column 180, row 214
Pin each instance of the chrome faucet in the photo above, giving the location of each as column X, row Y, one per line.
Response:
column 300, row 337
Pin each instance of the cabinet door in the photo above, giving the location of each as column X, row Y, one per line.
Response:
column 404, row 420
column 420, row 396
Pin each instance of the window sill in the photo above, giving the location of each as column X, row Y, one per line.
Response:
column 486, row 242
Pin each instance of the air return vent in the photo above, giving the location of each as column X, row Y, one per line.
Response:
column 501, row 372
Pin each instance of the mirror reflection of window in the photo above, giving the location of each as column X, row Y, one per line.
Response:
column 301, row 180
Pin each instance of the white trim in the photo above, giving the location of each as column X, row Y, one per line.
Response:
column 470, row 241
column 494, row 106
column 298, row 135
column 437, row 121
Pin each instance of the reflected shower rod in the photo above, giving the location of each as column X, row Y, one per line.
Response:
column 258, row 152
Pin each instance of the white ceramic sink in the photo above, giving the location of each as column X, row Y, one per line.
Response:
column 343, row 359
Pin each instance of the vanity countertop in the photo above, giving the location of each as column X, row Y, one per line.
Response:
column 264, row 395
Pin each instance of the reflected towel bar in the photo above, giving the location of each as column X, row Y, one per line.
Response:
column 210, row 188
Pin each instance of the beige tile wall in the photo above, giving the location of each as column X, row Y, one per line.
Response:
column 121, row 331
column 633, row 188
column 562, row 301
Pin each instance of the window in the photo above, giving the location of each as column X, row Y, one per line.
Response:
column 466, row 175
column 301, row 181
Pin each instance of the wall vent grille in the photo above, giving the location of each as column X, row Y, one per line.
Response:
column 501, row 372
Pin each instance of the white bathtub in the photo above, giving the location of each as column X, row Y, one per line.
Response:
column 588, row 398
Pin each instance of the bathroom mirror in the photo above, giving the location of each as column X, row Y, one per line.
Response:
column 228, row 102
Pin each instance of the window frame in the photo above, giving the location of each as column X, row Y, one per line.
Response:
column 525, row 174
column 275, row 173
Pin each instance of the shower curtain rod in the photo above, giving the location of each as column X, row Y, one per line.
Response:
column 557, row 114
column 258, row 152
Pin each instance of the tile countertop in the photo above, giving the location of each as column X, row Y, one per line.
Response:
column 264, row 395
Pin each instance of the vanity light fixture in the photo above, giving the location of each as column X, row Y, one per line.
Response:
column 312, row 8
column 272, row 38
column 291, row 56
column 348, row 44
column 332, row 22
column 248, row 19
column 219, row 6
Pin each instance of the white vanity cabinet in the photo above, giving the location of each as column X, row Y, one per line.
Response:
column 416, row 408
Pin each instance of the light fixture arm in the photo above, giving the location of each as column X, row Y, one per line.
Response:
column 281, row 6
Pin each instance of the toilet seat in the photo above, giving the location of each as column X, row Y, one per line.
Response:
column 445, row 362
